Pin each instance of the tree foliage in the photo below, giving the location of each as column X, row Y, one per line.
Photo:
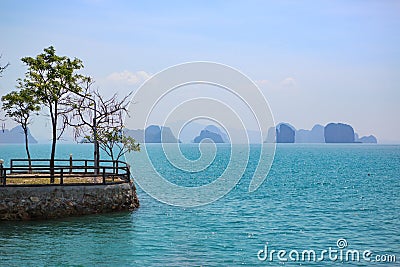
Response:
column 20, row 106
column 115, row 144
column 52, row 82
column 53, row 79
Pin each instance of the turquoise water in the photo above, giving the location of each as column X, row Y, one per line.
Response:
column 313, row 195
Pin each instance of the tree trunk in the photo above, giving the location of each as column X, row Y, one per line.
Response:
column 27, row 150
column 112, row 154
column 97, row 158
column 53, row 144
column 98, row 155
column 53, row 152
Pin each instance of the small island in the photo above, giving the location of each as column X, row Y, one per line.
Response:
column 77, row 188
column 54, row 188
column 15, row 136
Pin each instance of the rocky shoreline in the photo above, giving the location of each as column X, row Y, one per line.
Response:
column 50, row 202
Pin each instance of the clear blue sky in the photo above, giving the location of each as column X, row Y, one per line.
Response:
column 315, row 61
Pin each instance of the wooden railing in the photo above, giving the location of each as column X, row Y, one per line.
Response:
column 66, row 172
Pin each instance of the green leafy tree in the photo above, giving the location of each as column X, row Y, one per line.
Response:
column 53, row 79
column 19, row 106
column 115, row 143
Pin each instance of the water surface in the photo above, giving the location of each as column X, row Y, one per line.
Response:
column 313, row 195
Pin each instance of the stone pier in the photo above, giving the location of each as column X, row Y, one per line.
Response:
column 58, row 201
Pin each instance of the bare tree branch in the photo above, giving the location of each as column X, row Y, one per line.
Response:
column 108, row 113
column 2, row 68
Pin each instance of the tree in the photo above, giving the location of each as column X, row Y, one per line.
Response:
column 100, row 121
column 19, row 106
column 115, row 143
column 53, row 78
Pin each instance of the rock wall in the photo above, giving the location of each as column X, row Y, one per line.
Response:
column 47, row 202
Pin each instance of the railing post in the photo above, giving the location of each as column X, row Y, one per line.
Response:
column 11, row 165
column 104, row 175
column 62, row 176
column 116, row 163
column 70, row 163
column 85, row 166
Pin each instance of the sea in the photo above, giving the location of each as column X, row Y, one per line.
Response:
column 320, row 205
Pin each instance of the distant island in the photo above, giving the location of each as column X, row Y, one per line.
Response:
column 15, row 136
column 152, row 134
column 331, row 133
column 367, row 139
column 285, row 133
column 315, row 135
column 162, row 134
column 213, row 133
column 281, row 133
column 339, row 133
column 208, row 135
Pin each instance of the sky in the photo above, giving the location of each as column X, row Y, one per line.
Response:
column 314, row 61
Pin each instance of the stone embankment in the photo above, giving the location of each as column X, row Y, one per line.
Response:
column 49, row 202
